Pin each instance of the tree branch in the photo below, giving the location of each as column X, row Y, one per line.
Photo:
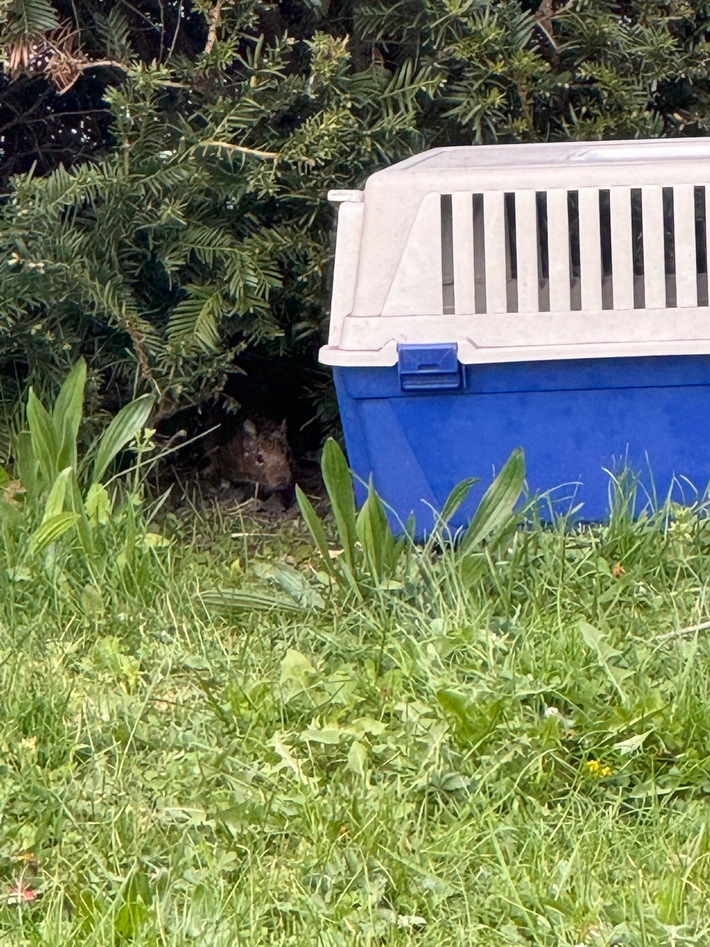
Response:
column 254, row 152
column 215, row 16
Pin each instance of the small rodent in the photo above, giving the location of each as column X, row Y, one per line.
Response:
column 257, row 452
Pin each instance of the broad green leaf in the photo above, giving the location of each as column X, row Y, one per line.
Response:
column 398, row 548
column 92, row 602
column 498, row 502
column 328, row 735
column 133, row 907
column 457, row 497
column 84, row 526
column 67, row 412
column 50, row 531
column 252, row 601
column 357, row 758
column 121, row 432
column 473, row 721
column 289, row 761
column 339, row 484
column 296, row 669
column 634, row 743
column 57, row 495
column 44, row 438
column 5, row 477
column 457, row 707
column 297, row 674
column 291, row 581
column 597, row 641
column 606, row 656
column 153, row 540
column 375, row 535
column 98, row 505
column 11, row 515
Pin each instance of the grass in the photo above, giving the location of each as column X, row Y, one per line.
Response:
column 198, row 748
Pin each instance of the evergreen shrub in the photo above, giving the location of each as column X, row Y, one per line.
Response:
column 164, row 163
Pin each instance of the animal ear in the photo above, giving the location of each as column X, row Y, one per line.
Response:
column 249, row 428
column 284, row 425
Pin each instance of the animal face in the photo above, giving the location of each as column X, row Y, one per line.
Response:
column 265, row 454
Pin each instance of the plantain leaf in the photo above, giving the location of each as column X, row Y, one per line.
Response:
column 45, row 446
column 498, row 502
column 457, row 497
column 375, row 535
column 67, row 412
column 57, row 495
column 51, row 530
column 234, row 599
column 121, row 431
column 339, row 484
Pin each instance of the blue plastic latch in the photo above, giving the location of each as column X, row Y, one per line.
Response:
column 429, row 367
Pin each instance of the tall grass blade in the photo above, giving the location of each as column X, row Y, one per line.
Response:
column 315, row 528
column 26, row 464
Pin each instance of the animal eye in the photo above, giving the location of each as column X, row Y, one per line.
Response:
column 260, row 458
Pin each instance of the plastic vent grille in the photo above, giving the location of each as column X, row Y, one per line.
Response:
column 591, row 249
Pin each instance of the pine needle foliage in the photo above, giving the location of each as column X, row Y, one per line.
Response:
column 164, row 166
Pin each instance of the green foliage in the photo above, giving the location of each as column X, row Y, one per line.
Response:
column 371, row 555
column 519, row 760
column 199, row 224
column 57, row 491
column 25, row 18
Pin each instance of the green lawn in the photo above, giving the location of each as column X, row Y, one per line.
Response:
column 505, row 748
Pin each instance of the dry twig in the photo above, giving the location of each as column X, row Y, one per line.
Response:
column 681, row 632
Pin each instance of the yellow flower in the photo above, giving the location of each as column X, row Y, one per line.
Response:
column 596, row 769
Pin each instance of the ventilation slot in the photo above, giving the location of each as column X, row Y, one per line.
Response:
column 701, row 244
column 669, row 247
column 575, row 262
column 447, row 255
column 637, row 247
column 479, row 254
column 543, row 252
column 511, row 255
column 606, row 249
